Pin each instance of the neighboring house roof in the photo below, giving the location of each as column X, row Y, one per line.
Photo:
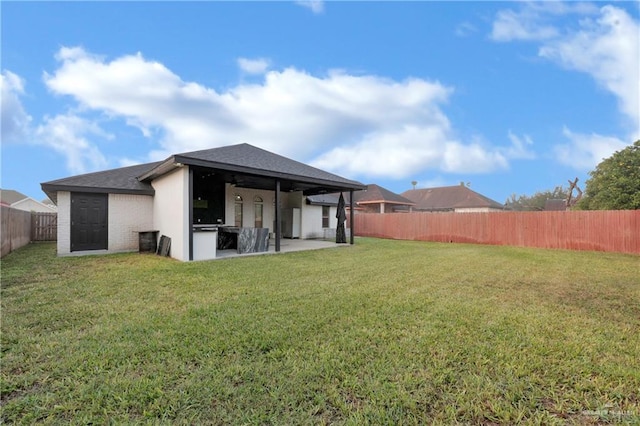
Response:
column 449, row 198
column 17, row 200
column 29, row 204
column 375, row 194
column 9, row 196
column 244, row 165
column 555, row 204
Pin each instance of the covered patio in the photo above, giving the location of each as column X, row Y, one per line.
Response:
column 286, row 246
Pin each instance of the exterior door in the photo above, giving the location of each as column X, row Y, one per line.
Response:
column 89, row 221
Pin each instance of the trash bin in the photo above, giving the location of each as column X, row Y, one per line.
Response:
column 147, row 241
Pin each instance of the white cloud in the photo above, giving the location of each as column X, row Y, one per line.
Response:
column 316, row 6
column 404, row 152
column 67, row 134
column 585, row 152
column 15, row 121
column 519, row 148
column 608, row 49
column 604, row 43
column 534, row 21
column 511, row 25
column 465, row 28
column 355, row 125
column 253, row 66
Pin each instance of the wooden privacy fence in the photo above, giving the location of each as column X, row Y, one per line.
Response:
column 19, row 228
column 611, row 230
column 44, row 226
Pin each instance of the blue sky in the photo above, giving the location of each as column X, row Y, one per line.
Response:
column 509, row 97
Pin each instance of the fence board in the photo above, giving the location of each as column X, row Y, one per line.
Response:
column 611, row 230
column 16, row 229
column 44, row 226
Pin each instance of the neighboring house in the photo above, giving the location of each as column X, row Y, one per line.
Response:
column 376, row 199
column 458, row 198
column 555, row 204
column 372, row 199
column 18, row 200
column 191, row 197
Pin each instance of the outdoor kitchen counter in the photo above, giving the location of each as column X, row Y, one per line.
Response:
column 244, row 240
column 205, row 242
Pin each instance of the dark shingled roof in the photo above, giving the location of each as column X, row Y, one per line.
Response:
column 121, row 180
column 243, row 164
column 555, row 204
column 449, row 198
column 326, row 199
column 377, row 194
column 371, row 195
column 245, row 158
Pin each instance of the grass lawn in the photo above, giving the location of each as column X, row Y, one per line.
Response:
column 384, row 332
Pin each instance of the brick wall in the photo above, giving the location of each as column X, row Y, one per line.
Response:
column 64, row 222
column 128, row 215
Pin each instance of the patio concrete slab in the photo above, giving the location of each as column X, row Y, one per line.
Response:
column 286, row 246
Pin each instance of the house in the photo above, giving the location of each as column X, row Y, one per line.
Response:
column 18, row 200
column 376, row 199
column 457, row 198
column 372, row 199
column 237, row 196
column 555, row 204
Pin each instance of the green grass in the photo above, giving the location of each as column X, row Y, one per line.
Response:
column 384, row 332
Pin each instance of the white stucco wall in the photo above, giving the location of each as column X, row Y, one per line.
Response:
column 312, row 222
column 171, row 210
column 248, row 206
column 128, row 215
column 64, row 223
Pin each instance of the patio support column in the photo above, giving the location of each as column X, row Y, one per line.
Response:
column 190, row 203
column 351, row 224
column 278, row 230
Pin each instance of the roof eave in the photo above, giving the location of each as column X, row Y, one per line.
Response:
column 161, row 169
column 52, row 190
column 331, row 185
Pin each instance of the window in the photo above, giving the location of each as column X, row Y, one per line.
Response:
column 325, row 216
column 238, row 211
column 258, row 203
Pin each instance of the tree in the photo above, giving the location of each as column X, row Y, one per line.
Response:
column 536, row 201
column 615, row 182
